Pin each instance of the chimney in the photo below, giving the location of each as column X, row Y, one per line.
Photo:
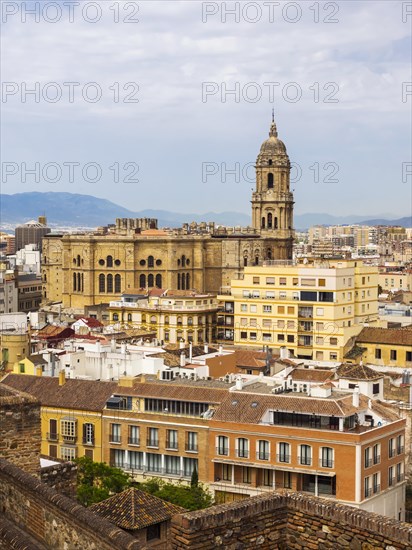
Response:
column 355, row 397
column 39, row 371
column 98, row 346
column 284, row 352
column 62, row 377
column 206, row 348
column 239, row 384
column 182, row 360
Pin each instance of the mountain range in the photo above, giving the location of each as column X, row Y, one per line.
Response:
column 76, row 210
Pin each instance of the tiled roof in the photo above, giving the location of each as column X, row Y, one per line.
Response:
column 357, row 372
column 88, row 395
column 249, row 408
column 249, row 358
column 312, row 375
column 134, row 509
column 52, row 331
column 37, row 359
column 91, row 322
column 396, row 336
column 190, row 391
column 356, row 351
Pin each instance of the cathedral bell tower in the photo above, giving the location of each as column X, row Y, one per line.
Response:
column 272, row 201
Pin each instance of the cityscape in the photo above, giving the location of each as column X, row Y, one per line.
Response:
column 196, row 359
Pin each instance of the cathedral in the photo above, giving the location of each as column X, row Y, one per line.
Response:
column 83, row 269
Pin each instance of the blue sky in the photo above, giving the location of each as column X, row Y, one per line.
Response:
column 349, row 117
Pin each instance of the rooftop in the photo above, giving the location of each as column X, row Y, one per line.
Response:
column 357, row 372
column 395, row 336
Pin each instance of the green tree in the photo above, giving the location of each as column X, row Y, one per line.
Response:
column 191, row 497
column 194, row 480
column 96, row 481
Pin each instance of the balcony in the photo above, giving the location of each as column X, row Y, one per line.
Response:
column 400, row 450
column 172, row 445
column 368, row 462
column 377, row 459
column 305, row 461
column 283, row 458
column 69, row 438
column 392, row 453
column 134, row 441
column 326, row 463
column 154, row 443
column 52, row 437
column 400, row 477
column 376, row 489
column 242, row 453
column 115, row 438
column 368, row 492
column 262, row 455
column 222, row 451
column 391, row 481
column 191, row 447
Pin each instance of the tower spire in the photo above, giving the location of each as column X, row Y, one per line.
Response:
column 273, row 130
column 273, row 115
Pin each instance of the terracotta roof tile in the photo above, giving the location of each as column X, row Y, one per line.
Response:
column 357, row 372
column 374, row 335
column 134, row 509
column 312, row 375
column 190, row 391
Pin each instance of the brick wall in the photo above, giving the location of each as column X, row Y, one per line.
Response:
column 54, row 520
column 287, row 521
column 62, row 477
column 20, row 435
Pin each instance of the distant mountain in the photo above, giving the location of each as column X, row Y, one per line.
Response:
column 75, row 210
column 70, row 209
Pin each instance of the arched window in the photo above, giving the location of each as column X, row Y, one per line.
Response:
column 102, row 287
column 78, row 259
column 110, row 284
column 263, row 223
column 245, row 261
column 270, row 181
column 74, row 282
column 150, row 261
column 178, row 281
column 187, row 281
column 142, row 281
column 117, row 283
column 150, row 281
column 167, row 320
column 129, row 317
column 270, row 162
column 179, row 321
column 153, row 319
column 115, row 316
column 79, row 282
column 269, row 221
column 82, row 282
column 256, row 260
column 143, row 318
column 190, row 321
column 109, row 261
column 183, row 260
column 269, row 254
column 159, row 280
column 183, row 282
column 276, row 223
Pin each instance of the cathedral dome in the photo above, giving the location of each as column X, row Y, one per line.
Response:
column 273, row 145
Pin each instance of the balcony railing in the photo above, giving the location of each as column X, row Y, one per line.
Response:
column 376, row 488
column 134, row 441
column 172, row 445
column 377, row 459
column 401, row 450
column 368, row 492
column 52, row 437
column 69, row 438
column 89, row 441
column 325, row 463
column 242, row 453
column 392, row 453
column 391, row 481
column 115, row 438
column 153, row 443
column 222, row 451
column 191, row 447
column 262, row 455
column 305, row 460
column 368, row 462
column 400, row 477
column 283, row 458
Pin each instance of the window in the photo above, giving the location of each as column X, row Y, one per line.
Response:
column 171, row 439
column 368, row 458
column 281, row 309
column 172, row 465
column 326, row 459
column 134, row 435
column 267, row 309
column 376, row 453
column 242, row 450
column 189, row 465
column 391, row 476
column 109, row 261
column 227, row 472
column 408, row 356
column 308, row 282
column 270, row 294
column 399, row 472
column 191, row 441
column 305, row 455
column 378, row 353
column 153, row 437
column 246, row 474
column 256, row 280
column 22, row 368
column 53, row 435
column 253, row 309
column 222, row 445
column 88, row 434
column 135, row 460
column 150, row 280
column 400, row 444
column 53, row 451
column 68, row 453
column 376, row 482
column 68, row 430
column 322, row 282
column 375, row 388
column 117, row 283
column 282, row 281
column 109, row 283
column 102, row 283
column 158, row 281
column 243, row 307
column 270, row 280
column 290, row 338
column 243, row 335
column 284, row 452
column 115, row 433
column 391, row 447
column 153, row 462
column 281, row 337
column 150, row 261
column 263, row 452
column 367, row 487
column 393, row 354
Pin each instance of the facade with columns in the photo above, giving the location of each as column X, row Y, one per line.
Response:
column 97, row 267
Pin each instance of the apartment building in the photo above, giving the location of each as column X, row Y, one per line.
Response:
column 329, row 443
column 175, row 315
column 311, row 308
column 391, row 347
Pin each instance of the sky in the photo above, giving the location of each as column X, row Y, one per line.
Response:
column 164, row 105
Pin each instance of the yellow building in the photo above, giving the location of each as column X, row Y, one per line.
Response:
column 310, row 308
column 14, row 345
column 93, row 268
column 175, row 315
column 33, row 365
column 71, row 413
column 390, row 347
column 395, row 280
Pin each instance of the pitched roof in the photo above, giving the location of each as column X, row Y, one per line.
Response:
column 397, row 336
column 134, row 509
column 37, row 359
column 250, row 358
column 312, row 375
column 357, row 372
column 53, row 331
column 356, row 351
column 91, row 322
column 88, row 395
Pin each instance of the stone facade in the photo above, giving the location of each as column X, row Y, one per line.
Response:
column 287, row 521
column 20, row 434
column 93, row 268
column 62, row 477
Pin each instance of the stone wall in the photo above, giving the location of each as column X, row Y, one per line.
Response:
column 62, row 477
column 20, row 435
column 287, row 521
column 53, row 520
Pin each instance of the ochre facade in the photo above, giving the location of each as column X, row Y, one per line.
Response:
column 93, row 268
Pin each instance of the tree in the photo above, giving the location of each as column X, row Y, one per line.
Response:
column 191, row 497
column 194, row 480
column 96, row 481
